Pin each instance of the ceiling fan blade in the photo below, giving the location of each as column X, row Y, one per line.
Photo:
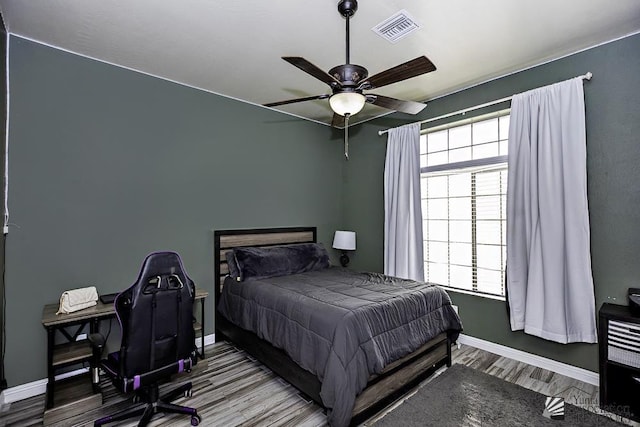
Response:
column 413, row 68
column 338, row 121
column 409, row 107
column 309, row 68
column 291, row 101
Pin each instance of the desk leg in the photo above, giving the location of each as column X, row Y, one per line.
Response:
column 50, row 371
column 94, row 368
column 202, row 323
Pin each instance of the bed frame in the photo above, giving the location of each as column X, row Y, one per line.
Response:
column 395, row 380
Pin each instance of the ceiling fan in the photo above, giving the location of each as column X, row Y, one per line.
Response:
column 349, row 81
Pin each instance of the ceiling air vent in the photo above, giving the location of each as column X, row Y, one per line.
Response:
column 396, row 27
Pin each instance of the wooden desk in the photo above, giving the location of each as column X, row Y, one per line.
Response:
column 72, row 325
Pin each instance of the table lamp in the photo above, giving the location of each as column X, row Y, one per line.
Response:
column 345, row 241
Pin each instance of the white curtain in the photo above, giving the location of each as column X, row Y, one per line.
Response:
column 549, row 281
column 402, row 206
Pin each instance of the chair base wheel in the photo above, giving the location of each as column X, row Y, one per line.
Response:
column 195, row 420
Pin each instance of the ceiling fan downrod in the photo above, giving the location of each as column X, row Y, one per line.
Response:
column 347, row 8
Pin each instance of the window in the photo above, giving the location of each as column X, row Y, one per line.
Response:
column 464, row 194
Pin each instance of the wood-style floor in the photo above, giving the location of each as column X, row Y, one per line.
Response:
column 231, row 389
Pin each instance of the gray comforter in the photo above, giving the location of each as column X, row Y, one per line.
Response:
column 340, row 325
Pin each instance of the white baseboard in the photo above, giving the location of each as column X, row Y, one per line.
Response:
column 208, row 339
column 23, row 391
column 570, row 371
column 34, row 388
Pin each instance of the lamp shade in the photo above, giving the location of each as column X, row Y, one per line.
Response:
column 347, row 103
column 345, row 240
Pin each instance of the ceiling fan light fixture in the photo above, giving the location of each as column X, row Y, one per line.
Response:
column 343, row 103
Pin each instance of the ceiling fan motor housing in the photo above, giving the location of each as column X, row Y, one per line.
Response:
column 349, row 74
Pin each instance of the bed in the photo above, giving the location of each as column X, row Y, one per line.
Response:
column 352, row 342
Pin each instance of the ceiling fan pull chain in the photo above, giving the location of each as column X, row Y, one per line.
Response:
column 346, row 136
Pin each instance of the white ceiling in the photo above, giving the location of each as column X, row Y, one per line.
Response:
column 233, row 48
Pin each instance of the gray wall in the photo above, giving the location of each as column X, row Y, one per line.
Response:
column 613, row 150
column 107, row 165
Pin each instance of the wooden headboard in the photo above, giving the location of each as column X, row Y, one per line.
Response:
column 225, row 240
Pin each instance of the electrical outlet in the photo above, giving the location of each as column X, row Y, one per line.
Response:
column 5, row 229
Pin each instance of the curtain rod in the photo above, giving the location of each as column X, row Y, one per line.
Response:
column 586, row 76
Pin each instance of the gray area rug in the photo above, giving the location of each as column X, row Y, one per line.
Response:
column 462, row 396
